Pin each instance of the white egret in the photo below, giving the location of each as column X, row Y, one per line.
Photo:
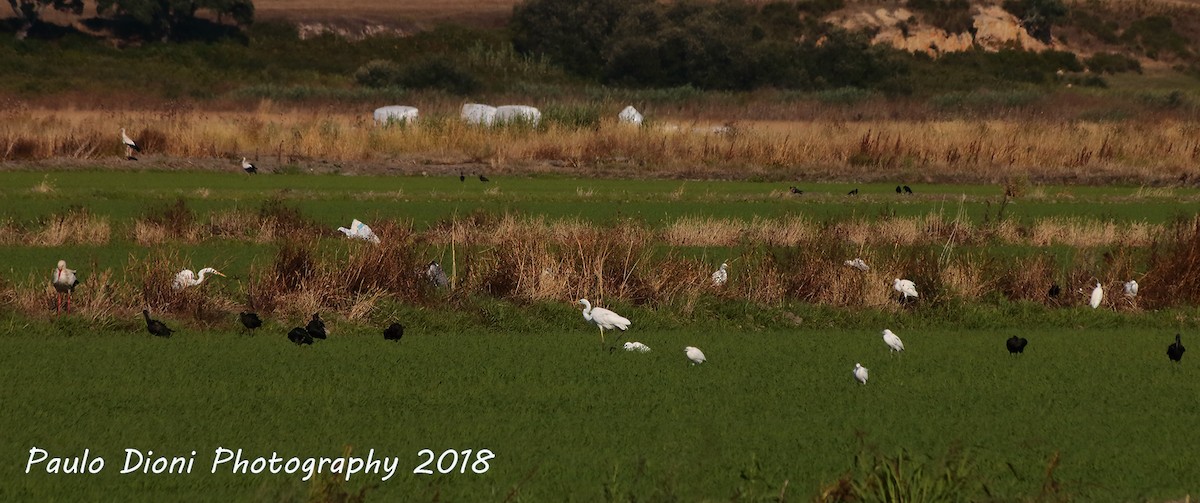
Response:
column 858, row 263
column 130, row 145
column 892, row 340
column 721, row 276
column 247, row 167
column 860, row 373
column 906, row 288
column 695, row 355
column 603, row 318
column 636, row 346
column 1131, row 288
column 359, row 230
column 187, row 278
column 64, row 283
column 1097, row 296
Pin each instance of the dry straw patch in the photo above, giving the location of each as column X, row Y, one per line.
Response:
column 75, row 227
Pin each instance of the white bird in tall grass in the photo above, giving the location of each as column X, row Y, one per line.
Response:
column 359, row 230
column 695, row 355
column 721, row 276
column 603, row 318
column 860, row 373
column 130, row 145
column 64, row 282
column 1097, row 296
column 187, row 278
column 1131, row 288
column 906, row 288
column 892, row 340
column 248, row 167
column 857, row 263
column 636, row 346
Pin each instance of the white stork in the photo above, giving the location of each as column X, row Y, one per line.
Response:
column 130, row 146
column 64, row 284
column 248, row 167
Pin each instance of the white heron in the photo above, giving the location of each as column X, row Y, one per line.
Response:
column 64, row 283
column 857, row 263
column 1097, row 296
column 906, row 288
column 1131, row 288
column 187, row 278
column 603, row 318
column 721, row 276
column 695, row 355
column 248, row 167
column 637, row 346
column 130, row 145
column 860, row 373
column 359, row 230
column 892, row 340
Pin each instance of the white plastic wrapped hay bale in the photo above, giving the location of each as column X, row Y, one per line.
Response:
column 475, row 113
column 630, row 115
column 398, row 114
column 518, row 113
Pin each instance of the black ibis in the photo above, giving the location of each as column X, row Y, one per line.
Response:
column 1016, row 345
column 156, row 327
column 316, row 327
column 1175, row 351
column 250, row 320
column 300, row 336
column 482, row 178
column 853, row 192
column 1054, row 291
column 907, row 190
column 393, row 332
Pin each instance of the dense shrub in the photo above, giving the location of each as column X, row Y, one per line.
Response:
column 377, row 73
column 1107, row 62
column 1154, row 36
column 570, row 32
column 438, row 74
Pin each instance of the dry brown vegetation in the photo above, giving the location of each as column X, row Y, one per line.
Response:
column 954, row 150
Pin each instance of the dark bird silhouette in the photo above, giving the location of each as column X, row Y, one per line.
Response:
column 482, row 178
column 300, row 336
column 1016, row 344
column 393, row 332
column 1175, row 351
column 898, row 191
column 462, row 177
column 250, row 320
column 795, row 190
column 316, row 327
column 1054, row 291
column 907, row 190
column 156, row 327
column 852, row 193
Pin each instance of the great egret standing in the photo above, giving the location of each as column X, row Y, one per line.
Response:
column 130, row 146
column 1131, row 288
column 1016, row 344
column 1175, row 351
column 64, row 283
column 603, row 318
column 187, row 278
column 695, row 355
column 156, row 327
column 892, row 340
column 906, row 288
column 247, row 167
column 860, row 373
column 359, row 230
column 721, row 275
column 1097, row 296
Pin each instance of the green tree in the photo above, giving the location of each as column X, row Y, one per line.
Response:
column 164, row 18
column 572, row 33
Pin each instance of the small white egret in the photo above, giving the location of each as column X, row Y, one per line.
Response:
column 248, row 167
column 636, row 346
column 1131, row 288
column 695, row 355
column 603, row 318
column 187, row 278
column 359, row 230
column 906, row 288
column 1097, row 296
column 858, row 263
column 721, row 276
column 860, row 373
column 892, row 340
column 64, row 282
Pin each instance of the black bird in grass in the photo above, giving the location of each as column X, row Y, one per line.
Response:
column 482, row 178
column 898, row 191
column 853, row 192
column 1175, row 351
column 795, row 190
column 1016, row 345
column 156, row 327
column 316, row 327
column 1054, row 291
column 907, row 190
column 393, row 332
column 300, row 336
column 250, row 320
column 462, row 177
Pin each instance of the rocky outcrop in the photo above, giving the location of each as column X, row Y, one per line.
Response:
column 994, row 29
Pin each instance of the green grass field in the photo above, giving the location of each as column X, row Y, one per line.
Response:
column 774, row 411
